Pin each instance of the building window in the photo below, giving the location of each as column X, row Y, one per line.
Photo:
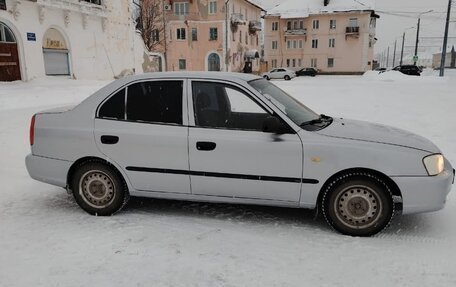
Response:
column 300, row 44
column 180, row 35
column 240, row 36
column 2, row 4
column 330, row 62
column 299, row 62
column 289, row 25
column 353, row 22
column 246, row 38
column 313, row 63
column 275, row 26
column 332, row 43
column 288, row 62
column 213, row 7
column 194, row 34
column 332, row 24
column 212, row 34
column 316, row 24
column 301, row 24
column 182, row 64
column 315, row 43
column 294, row 62
column 295, row 25
column 97, row 2
column 288, row 44
column 274, row 45
column 274, row 63
column 155, row 35
column 180, row 8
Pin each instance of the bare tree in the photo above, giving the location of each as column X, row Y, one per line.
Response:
column 150, row 23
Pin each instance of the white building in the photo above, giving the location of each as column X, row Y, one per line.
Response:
column 84, row 39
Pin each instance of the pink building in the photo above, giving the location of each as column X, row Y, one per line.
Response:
column 211, row 35
column 334, row 36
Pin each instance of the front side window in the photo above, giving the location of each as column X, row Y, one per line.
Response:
column 295, row 110
column 219, row 105
column 155, row 102
column 114, row 107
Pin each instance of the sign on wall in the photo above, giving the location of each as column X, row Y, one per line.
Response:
column 31, row 37
column 2, row 4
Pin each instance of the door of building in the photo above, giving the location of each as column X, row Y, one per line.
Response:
column 9, row 56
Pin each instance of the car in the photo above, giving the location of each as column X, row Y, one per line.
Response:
column 307, row 72
column 233, row 138
column 410, row 70
column 279, row 73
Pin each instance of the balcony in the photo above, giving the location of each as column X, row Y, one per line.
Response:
column 237, row 19
column 254, row 26
column 88, row 7
column 183, row 17
column 352, row 30
column 296, row 32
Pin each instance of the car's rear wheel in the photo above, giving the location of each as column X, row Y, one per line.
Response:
column 287, row 78
column 358, row 204
column 99, row 189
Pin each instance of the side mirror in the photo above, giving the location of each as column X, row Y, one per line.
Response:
column 272, row 125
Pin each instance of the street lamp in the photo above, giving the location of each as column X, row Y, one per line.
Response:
column 415, row 58
column 403, row 41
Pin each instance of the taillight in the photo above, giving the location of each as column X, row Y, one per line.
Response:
column 32, row 130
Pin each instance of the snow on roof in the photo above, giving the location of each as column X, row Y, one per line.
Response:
column 303, row 8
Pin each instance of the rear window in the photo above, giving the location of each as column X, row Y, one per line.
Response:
column 155, row 102
column 114, row 108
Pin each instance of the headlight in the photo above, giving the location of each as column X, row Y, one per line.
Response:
column 434, row 164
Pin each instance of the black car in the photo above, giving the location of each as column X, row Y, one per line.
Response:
column 411, row 70
column 307, row 72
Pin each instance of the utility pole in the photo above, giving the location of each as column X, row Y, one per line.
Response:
column 226, row 35
column 387, row 57
column 402, row 51
column 417, row 40
column 445, row 41
column 394, row 55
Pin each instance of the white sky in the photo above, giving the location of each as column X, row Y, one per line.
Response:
column 391, row 27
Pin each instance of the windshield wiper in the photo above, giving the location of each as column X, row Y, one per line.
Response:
column 321, row 119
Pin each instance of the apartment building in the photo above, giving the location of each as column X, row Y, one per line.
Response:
column 89, row 39
column 211, row 35
column 333, row 36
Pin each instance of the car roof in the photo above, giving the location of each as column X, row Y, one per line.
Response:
column 198, row 75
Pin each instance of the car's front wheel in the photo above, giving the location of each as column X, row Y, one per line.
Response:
column 266, row 77
column 287, row 78
column 358, row 204
column 99, row 189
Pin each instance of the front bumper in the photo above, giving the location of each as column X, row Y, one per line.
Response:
column 48, row 170
column 425, row 193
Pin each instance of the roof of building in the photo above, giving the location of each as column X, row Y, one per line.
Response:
column 304, row 8
column 256, row 3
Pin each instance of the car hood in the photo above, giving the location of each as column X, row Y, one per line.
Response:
column 371, row 132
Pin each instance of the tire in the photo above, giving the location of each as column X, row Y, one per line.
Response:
column 358, row 205
column 266, row 77
column 99, row 189
column 287, row 78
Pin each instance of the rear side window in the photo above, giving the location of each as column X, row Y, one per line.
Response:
column 114, row 108
column 156, row 102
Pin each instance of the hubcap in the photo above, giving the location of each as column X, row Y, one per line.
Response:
column 96, row 189
column 358, row 207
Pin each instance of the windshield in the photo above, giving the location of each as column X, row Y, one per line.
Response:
column 295, row 110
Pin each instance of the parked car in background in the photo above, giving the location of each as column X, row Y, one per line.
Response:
column 233, row 138
column 410, row 70
column 307, row 72
column 279, row 73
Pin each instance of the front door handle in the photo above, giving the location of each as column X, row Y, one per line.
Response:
column 205, row 146
column 107, row 139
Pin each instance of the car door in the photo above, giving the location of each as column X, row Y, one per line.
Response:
column 143, row 128
column 230, row 155
column 280, row 74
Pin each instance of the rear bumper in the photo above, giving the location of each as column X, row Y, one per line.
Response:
column 48, row 170
column 427, row 193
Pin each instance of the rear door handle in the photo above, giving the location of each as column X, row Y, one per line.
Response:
column 205, row 146
column 107, row 139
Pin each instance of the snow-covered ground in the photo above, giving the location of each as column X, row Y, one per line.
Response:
column 47, row 240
